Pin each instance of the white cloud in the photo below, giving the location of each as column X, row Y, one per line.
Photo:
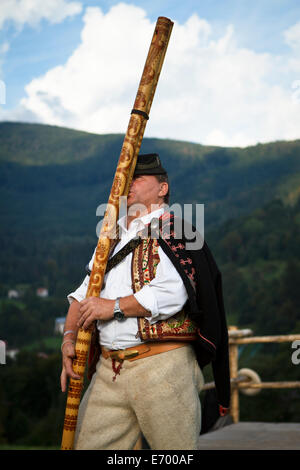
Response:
column 292, row 36
column 33, row 11
column 211, row 90
column 4, row 48
column 92, row 90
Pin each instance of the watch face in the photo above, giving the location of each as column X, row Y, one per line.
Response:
column 119, row 315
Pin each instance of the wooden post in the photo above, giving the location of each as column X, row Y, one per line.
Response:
column 233, row 365
column 240, row 380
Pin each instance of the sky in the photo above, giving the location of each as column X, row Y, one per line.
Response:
column 231, row 76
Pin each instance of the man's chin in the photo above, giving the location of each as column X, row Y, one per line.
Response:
column 130, row 200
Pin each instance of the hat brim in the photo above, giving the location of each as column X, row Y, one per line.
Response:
column 150, row 171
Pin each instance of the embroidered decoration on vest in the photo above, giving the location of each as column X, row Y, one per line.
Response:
column 167, row 232
column 178, row 327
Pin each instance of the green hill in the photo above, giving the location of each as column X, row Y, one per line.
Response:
column 52, row 180
column 259, row 255
column 37, row 144
column 58, row 177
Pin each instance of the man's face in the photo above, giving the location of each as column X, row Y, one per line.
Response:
column 146, row 190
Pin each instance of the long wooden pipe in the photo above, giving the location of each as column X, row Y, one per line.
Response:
column 121, row 183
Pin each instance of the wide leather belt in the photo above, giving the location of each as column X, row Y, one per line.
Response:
column 142, row 350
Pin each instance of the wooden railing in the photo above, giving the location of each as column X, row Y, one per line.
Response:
column 247, row 380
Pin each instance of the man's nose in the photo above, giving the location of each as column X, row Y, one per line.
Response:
column 132, row 184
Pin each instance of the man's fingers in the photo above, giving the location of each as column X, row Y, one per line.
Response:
column 67, row 372
column 84, row 308
column 63, row 381
column 68, row 366
column 87, row 321
column 72, row 374
column 82, row 320
column 86, row 304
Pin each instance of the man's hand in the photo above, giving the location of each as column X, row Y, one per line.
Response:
column 95, row 308
column 68, row 354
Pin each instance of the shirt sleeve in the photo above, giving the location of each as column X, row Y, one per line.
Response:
column 80, row 293
column 166, row 294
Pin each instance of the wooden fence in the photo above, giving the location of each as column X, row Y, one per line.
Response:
column 246, row 380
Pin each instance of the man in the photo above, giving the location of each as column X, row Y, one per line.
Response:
column 157, row 324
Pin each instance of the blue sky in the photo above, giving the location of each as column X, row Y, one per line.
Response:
column 257, row 43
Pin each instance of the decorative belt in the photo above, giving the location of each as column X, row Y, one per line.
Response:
column 142, row 350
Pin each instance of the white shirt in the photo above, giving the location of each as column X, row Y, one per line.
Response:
column 164, row 296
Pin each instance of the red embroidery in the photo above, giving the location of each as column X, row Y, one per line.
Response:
column 117, row 369
column 192, row 274
column 188, row 260
column 178, row 249
column 223, row 411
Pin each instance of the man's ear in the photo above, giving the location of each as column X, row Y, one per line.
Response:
column 164, row 188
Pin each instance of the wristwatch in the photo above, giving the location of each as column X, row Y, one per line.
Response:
column 118, row 314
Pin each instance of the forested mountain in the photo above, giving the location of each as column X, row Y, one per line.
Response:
column 51, row 182
column 53, row 177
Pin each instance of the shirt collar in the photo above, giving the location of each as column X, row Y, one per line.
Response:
column 140, row 222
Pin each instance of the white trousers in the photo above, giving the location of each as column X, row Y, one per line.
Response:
column 157, row 396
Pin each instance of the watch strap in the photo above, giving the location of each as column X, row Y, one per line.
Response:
column 118, row 313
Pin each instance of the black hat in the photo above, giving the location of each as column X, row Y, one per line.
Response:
column 149, row 164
